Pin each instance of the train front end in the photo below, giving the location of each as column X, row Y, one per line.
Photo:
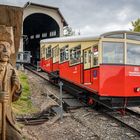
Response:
column 120, row 69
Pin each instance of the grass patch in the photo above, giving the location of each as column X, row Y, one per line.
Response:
column 24, row 104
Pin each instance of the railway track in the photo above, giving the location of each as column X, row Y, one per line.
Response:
column 69, row 101
column 130, row 120
column 33, row 70
column 36, row 119
column 130, row 111
column 134, row 117
column 42, row 117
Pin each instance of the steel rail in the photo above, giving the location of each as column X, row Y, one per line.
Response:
column 136, row 131
column 132, row 112
column 67, row 107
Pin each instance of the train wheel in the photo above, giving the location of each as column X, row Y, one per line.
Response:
column 122, row 112
column 92, row 103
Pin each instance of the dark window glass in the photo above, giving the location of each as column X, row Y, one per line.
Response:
column 133, row 37
column 113, row 52
column 114, row 36
column 64, row 53
column 89, row 56
column 75, row 55
column 48, row 52
column 133, row 54
column 95, row 55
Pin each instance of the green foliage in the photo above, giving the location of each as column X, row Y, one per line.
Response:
column 68, row 31
column 24, row 104
column 136, row 25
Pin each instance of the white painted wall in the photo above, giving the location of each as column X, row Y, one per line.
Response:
column 50, row 12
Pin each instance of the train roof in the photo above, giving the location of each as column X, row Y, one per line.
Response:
column 70, row 39
column 119, row 32
column 85, row 38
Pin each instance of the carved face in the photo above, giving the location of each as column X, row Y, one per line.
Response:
column 5, row 51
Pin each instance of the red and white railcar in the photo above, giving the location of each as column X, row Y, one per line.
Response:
column 106, row 66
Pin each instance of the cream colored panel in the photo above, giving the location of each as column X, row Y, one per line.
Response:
column 87, row 58
column 95, row 56
column 55, row 52
column 42, row 51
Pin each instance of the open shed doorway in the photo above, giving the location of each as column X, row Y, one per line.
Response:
column 36, row 27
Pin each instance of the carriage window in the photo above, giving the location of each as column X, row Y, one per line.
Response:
column 89, row 56
column 115, row 36
column 95, row 55
column 133, row 37
column 75, row 55
column 55, row 54
column 64, row 53
column 48, row 52
column 42, row 52
column 113, row 52
column 133, row 54
column 55, row 51
column 85, row 57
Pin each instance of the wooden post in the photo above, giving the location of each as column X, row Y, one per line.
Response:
column 3, row 111
column 1, row 118
column 4, row 120
column 4, row 102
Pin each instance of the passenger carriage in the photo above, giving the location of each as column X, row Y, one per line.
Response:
column 49, row 57
column 106, row 67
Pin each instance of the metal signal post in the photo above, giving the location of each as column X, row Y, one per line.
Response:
column 61, row 101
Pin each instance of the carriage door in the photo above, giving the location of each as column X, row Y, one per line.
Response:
column 55, row 54
column 87, row 66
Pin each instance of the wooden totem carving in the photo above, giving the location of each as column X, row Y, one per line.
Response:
column 10, row 88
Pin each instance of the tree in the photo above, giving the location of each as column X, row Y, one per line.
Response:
column 68, row 31
column 136, row 25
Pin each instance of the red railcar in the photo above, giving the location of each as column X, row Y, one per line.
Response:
column 106, row 68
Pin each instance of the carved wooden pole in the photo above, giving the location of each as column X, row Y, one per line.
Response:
column 3, row 120
column 5, row 94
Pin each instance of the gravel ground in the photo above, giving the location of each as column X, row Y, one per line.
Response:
column 81, row 124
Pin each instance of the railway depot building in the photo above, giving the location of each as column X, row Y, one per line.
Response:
column 39, row 22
